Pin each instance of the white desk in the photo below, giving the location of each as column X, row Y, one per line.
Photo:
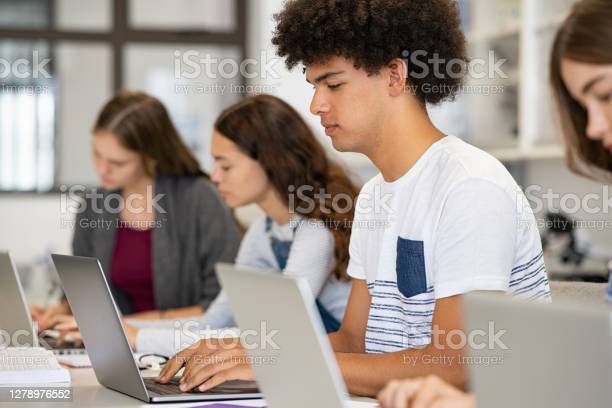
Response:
column 87, row 392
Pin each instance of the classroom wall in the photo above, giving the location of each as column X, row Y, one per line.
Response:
column 30, row 224
column 554, row 175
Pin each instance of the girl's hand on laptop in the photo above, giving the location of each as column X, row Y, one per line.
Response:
column 64, row 323
column 148, row 315
column 36, row 311
column 68, row 330
column 209, row 363
column 428, row 392
column 61, row 322
column 44, row 316
column 177, row 313
column 131, row 333
column 70, row 337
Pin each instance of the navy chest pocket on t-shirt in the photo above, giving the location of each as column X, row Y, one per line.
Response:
column 410, row 267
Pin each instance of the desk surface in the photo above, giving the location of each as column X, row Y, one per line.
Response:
column 88, row 392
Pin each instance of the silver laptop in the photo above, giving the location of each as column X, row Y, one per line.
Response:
column 109, row 351
column 295, row 367
column 15, row 315
column 15, row 322
column 550, row 355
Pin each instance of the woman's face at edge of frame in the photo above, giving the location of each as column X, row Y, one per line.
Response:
column 591, row 86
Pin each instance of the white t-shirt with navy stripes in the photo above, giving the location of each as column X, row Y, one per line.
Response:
column 456, row 222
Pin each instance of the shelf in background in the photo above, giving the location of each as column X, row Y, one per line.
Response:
column 551, row 22
column 484, row 36
column 516, row 154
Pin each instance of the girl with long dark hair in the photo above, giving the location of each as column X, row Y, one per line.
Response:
column 265, row 154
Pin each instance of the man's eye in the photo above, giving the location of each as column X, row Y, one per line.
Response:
column 334, row 86
column 225, row 168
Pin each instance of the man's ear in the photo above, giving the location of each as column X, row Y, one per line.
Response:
column 398, row 76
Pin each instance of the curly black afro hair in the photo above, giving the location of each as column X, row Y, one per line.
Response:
column 371, row 33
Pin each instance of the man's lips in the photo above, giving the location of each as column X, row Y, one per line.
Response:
column 330, row 129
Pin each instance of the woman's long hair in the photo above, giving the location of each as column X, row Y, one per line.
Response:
column 585, row 36
column 142, row 125
column 273, row 133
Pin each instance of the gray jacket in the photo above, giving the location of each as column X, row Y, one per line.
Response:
column 196, row 231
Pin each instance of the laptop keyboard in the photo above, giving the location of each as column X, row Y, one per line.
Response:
column 51, row 343
column 230, row 387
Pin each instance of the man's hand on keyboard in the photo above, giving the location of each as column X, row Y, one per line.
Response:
column 209, row 363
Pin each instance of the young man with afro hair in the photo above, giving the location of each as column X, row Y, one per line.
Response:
column 442, row 218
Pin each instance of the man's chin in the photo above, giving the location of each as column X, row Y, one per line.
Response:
column 341, row 144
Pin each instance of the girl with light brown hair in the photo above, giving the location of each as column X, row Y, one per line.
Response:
column 158, row 249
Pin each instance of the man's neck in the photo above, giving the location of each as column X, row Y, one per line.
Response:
column 404, row 137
